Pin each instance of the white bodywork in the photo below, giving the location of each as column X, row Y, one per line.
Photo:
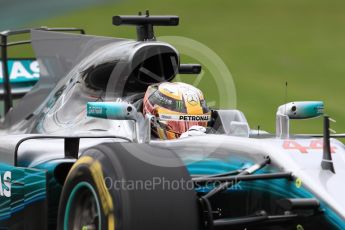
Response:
column 302, row 157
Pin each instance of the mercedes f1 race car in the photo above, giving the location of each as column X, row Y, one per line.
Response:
column 76, row 151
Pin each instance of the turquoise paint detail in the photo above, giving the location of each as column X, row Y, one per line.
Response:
column 28, row 186
column 279, row 188
column 216, row 166
column 71, row 197
column 21, row 71
column 302, row 109
column 211, row 166
column 312, row 109
column 107, row 110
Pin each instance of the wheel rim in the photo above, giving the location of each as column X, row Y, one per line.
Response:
column 82, row 209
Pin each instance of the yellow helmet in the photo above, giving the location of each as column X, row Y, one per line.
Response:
column 178, row 106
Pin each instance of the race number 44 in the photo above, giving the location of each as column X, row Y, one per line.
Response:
column 313, row 145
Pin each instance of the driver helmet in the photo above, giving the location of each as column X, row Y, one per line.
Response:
column 177, row 107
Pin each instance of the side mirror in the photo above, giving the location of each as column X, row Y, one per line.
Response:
column 123, row 111
column 302, row 109
column 112, row 110
column 296, row 110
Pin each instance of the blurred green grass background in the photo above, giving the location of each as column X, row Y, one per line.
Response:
column 264, row 43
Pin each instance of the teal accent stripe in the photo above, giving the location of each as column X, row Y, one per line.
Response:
column 28, row 186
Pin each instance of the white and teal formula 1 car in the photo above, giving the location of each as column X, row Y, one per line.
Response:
column 76, row 151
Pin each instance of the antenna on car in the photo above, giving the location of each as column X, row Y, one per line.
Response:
column 327, row 162
column 286, row 94
column 258, row 130
column 145, row 23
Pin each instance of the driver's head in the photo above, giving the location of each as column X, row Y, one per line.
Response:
column 177, row 106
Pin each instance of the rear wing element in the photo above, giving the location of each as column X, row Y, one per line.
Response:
column 6, row 64
column 23, row 75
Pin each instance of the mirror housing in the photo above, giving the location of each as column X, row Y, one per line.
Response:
column 294, row 111
column 302, row 109
column 112, row 110
column 123, row 111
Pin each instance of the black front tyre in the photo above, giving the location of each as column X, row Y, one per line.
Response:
column 90, row 201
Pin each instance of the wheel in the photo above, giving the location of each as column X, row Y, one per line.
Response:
column 105, row 189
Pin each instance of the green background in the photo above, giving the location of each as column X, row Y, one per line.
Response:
column 264, row 43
